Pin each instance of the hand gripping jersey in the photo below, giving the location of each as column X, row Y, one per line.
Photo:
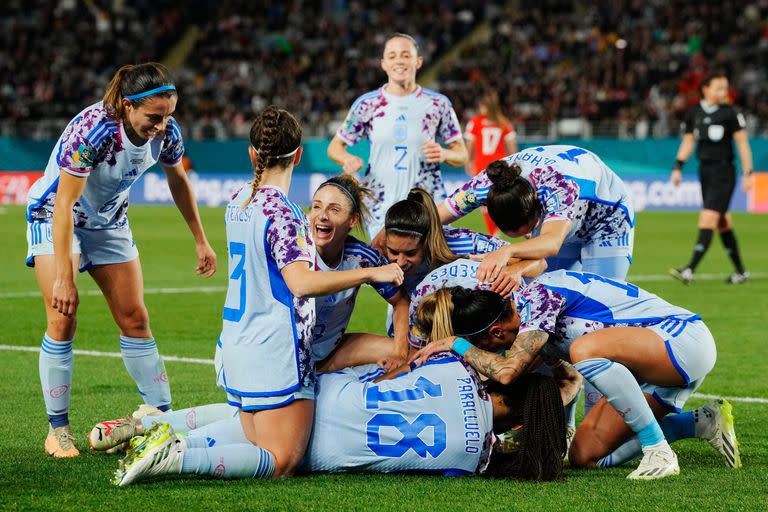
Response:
column 462, row 242
column 266, row 333
column 437, row 418
column 335, row 310
column 94, row 145
column 572, row 184
column 462, row 272
column 397, row 126
column 570, row 304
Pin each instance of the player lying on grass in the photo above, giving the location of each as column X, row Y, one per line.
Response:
column 438, row 418
column 645, row 355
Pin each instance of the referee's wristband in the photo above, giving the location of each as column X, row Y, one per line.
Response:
column 679, row 165
column 460, row 346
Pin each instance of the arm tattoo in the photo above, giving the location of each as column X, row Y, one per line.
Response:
column 506, row 369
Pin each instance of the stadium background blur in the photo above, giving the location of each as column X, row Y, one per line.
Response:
column 612, row 76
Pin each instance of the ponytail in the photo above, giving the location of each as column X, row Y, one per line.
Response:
column 275, row 137
column 512, row 202
column 433, row 316
column 132, row 80
column 458, row 311
column 542, row 444
column 417, row 217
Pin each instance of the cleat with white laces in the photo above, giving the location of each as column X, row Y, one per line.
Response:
column 107, row 435
column 738, row 278
column 684, row 275
column 158, row 453
column 60, row 442
column 659, row 461
column 715, row 424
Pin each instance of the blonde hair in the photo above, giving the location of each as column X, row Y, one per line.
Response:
column 433, row 316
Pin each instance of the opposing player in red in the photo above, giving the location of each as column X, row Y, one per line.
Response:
column 490, row 136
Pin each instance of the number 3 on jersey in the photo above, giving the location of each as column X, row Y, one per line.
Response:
column 238, row 274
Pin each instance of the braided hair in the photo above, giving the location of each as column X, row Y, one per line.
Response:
column 275, row 135
column 537, row 400
column 512, row 201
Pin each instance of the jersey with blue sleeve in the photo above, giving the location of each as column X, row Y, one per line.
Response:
column 462, row 272
column 572, row 183
column 397, row 126
column 267, row 332
column 335, row 310
column 569, row 304
column 437, row 418
column 94, row 145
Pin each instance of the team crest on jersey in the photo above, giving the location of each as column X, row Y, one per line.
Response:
column 466, row 199
column 400, row 132
column 549, row 198
column 84, row 156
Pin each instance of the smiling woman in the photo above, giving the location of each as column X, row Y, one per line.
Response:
column 412, row 131
column 77, row 219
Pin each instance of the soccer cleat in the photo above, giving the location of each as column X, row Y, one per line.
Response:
column 737, row 278
column 145, row 410
column 510, row 440
column 684, row 275
column 658, row 462
column 159, row 453
column 60, row 442
column 569, row 433
column 110, row 434
column 719, row 431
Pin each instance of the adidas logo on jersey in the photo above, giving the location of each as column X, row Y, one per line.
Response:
column 401, row 117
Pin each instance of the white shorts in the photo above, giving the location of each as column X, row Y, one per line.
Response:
column 610, row 257
column 95, row 246
column 692, row 351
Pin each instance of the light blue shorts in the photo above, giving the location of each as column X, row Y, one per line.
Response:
column 251, row 403
column 95, row 246
column 692, row 351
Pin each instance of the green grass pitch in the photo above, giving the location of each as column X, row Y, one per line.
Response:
column 187, row 324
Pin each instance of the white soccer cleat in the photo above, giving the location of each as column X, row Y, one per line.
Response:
column 717, row 428
column 111, row 434
column 145, row 410
column 684, row 275
column 569, row 433
column 658, row 462
column 159, row 453
column 738, row 278
column 142, row 412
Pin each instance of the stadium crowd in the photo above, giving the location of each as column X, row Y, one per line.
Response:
column 621, row 61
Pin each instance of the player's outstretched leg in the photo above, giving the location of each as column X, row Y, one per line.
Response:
column 159, row 453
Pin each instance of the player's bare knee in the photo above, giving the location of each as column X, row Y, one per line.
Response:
column 583, row 348
column 61, row 328
column 581, row 455
column 135, row 322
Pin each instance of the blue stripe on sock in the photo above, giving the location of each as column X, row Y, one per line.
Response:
column 591, row 368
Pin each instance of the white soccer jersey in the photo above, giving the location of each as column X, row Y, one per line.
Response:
column 462, row 272
column 437, row 418
column 570, row 304
column 335, row 310
column 572, row 184
column 266, row 333
column 94, row 145
column 397, row 126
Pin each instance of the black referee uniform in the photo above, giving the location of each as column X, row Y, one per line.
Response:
column 713, row 128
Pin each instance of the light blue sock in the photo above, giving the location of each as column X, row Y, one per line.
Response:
column 228, row 431
column 143, row 362
column 229, row 461
column 674, row 426
column 56, row 363
column 622, row 391
column 185, row 420
column 570, row 411
column 591, row 396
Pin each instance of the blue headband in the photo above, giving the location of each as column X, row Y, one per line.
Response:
column 151, row 91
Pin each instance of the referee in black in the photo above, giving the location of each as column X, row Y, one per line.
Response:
column 714, row 125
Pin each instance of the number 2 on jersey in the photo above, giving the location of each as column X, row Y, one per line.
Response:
column 403, row 150
column 238, row 274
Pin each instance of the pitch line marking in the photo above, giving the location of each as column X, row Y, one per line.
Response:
column 195, row 360
column 648, row 278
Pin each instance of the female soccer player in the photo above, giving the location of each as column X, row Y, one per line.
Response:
column 490, row 137
column 405, row 124
column 77, row 219
column 577, row 210
column 269, row 313
column 438, row 418
column 613, row 333
column 715, row 125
